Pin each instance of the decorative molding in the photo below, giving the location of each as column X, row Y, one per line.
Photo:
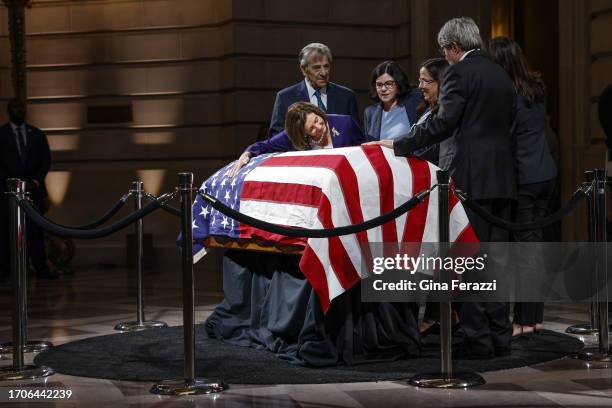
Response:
column 148, row 128
column 156, row 95
column 221, row 24
column 174, row 61
column 226, row 159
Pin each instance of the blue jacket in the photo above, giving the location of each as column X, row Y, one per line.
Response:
column 344, row 132
column 372, row 116
column 340, row 101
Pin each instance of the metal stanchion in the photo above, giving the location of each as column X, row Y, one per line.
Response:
column 19, row 370
column 601, row 353
column 446, row 378
column 189, row 385
column 137, row 192
column 587, row 329
column 30, row 346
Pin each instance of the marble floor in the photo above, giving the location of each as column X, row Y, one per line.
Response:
column 92, row 300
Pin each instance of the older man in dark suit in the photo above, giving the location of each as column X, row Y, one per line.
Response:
column 476, row 105
column 315, row 64
column 24, row 154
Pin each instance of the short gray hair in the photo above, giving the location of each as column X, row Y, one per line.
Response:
column 463, row 31
column 313, row 48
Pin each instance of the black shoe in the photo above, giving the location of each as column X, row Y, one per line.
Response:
column 465, row 353
column 46, row 273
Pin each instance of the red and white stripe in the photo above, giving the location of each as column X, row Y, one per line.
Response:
column 337, row 187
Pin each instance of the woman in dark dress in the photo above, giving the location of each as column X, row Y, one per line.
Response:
column 535, row 166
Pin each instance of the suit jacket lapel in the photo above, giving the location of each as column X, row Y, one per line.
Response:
column 376, row 120
column 409, row 103
column 331, row 92
column 302, row 92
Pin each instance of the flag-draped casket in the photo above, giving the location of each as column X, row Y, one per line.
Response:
column 325, row 189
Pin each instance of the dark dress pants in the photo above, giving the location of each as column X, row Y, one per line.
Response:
column 486, row 325
column 532, row 205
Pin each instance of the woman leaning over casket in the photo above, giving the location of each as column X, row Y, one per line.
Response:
column 306, row 128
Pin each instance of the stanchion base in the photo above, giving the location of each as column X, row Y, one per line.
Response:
column 437, row 380
column 135, row 326
column 584, row 329
column 581, row 329
column 188, row 387
column 33, row 346
column 593, row 355
column 28, row 372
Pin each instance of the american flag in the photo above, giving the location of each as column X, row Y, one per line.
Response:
column 324, row 189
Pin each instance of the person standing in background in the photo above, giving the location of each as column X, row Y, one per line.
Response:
column 536, row 168
column 315, row 64
column 24, row 154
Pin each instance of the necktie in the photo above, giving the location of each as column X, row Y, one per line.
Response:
column 319, row 100
column 21, row 143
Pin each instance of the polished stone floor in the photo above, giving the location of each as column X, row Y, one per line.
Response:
column 92, row 300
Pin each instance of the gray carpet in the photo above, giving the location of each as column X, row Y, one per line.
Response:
column 157, row 354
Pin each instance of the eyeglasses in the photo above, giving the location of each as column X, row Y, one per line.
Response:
column 385, row 85
column 426, row 81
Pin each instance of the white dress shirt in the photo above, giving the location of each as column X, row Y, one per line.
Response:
column 313, row 98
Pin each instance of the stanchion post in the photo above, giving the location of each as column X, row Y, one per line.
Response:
column 189, row 385
column 137, row 192
column 602, row 281
column 19, row 370
column 446, row 378
column 186, row 192
column 446, row 359
column 586, row 329
column 599, row 304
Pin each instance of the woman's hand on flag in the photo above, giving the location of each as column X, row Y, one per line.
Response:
column 240, row 163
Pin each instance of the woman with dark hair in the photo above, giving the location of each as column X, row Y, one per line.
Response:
column 396, row 102
column 306, row 127
column 536, row 169
column 431, row 73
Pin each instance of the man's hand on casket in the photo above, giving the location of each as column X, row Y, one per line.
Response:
column 384, row 143
column 240, row 163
